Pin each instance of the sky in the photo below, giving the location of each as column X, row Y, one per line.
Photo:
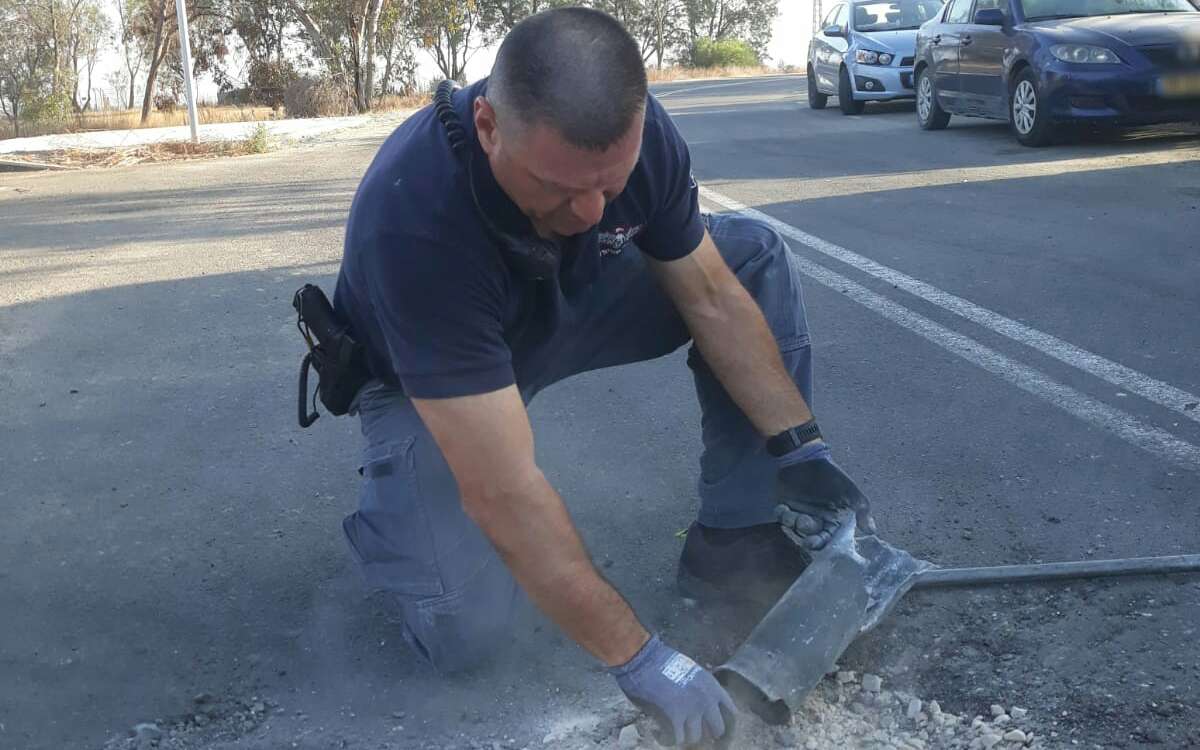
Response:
column 789, row 43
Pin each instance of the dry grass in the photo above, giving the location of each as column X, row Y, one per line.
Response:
column 395, row 103
column 130, row 119
column 680, row 73
column 81, row 158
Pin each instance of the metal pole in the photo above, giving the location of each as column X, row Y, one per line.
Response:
column 939, row 577
column 185, row 52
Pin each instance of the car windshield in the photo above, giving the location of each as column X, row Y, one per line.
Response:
column 895, row 15
column 1040, row 10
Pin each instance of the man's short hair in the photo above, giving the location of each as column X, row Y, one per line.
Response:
column 574, row 69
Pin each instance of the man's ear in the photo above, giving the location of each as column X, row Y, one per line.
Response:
column 485, row 125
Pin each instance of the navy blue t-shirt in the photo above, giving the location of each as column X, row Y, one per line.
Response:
column 425, row 287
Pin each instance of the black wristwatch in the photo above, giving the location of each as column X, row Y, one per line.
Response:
column 791, row 439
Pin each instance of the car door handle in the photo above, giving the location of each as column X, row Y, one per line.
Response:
column 937, row 39
column 966, row 40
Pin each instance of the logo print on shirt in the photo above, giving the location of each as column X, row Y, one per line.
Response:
column 612, row 243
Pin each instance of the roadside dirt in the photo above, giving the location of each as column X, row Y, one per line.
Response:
column 848, row 710
column 380, row 123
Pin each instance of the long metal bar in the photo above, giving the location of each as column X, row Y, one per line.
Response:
column 185, row 54
column 1060, row 571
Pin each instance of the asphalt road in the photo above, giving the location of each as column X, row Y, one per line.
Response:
column 1007, row 352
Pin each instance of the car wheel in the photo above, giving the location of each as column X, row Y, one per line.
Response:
column 930, row 115
column 846, row 95
column 816, row 100
column 1029, row 119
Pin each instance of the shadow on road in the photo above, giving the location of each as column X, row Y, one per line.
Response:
column 171, row 531
column 180, row 213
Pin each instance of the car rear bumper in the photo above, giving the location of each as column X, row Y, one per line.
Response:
column 1132, row 97
column 878, row 83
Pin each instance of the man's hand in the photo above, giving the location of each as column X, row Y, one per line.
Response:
column 812, row 489
column 688, row 703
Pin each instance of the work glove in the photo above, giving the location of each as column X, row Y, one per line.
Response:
column 687, row 702
column 812, row 490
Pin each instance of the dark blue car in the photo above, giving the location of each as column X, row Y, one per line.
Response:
column 1039, row 63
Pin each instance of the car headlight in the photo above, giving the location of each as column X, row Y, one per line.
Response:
column 1084, row 53
column 869, row 57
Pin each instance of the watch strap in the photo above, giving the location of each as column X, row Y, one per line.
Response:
column 791, row 439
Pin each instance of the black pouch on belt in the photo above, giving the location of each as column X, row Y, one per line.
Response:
column 340, row 361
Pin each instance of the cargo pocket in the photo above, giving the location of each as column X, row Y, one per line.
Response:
column 390, row 535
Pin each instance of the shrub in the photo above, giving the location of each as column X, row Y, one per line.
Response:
column 165, row 102
column 721, row 53
column 234, row 97
column 316, row 97
column 48, row 111
column 256, row 142
column 267, row 82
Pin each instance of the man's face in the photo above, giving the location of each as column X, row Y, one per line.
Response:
column 561, row 188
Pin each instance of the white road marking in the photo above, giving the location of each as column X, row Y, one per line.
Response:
column 755, row 108
column 706, row 86
column 1163, row 394
column 836, row 187
column 1147, row 437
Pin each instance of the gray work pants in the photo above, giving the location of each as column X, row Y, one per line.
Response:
column 410, row 535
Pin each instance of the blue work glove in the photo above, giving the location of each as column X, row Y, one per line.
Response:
column 688, row 703
column 812, row 489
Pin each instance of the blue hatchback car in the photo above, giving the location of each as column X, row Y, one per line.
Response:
column 1039, row 63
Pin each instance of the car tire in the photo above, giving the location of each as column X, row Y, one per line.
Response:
column 816, row 100
column 930, row 115
column 1029, row 120
column 846, row 95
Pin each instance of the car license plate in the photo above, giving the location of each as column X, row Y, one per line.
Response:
column 1180, row 86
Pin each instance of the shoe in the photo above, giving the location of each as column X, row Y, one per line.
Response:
column 752, row 565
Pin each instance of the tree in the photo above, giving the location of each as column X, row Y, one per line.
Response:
column 262, row 26
column 658, row 26
column 503, row 15
column 667, row 26
column 343, row 35
column 155, row 24
column 396, row 44
column 118, row 81
column 451, row 31
column 89, row 34
column 27, row 60
column 748, row 20
column 133, row 47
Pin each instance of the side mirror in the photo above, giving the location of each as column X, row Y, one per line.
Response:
column 990, row 17
column 834, row 31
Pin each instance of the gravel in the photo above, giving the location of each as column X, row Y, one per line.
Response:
column 914, row 709
column 851, row 714
column 843, row 712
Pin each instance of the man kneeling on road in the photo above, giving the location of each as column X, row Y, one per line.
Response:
column 543, row 222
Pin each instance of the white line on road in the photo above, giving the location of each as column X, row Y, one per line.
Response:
column 862, row 184
column 1126, row 426
column 739, row 82
column 1161, row 393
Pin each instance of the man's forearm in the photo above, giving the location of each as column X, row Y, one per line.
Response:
column 738, row 346
column 530, row 528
